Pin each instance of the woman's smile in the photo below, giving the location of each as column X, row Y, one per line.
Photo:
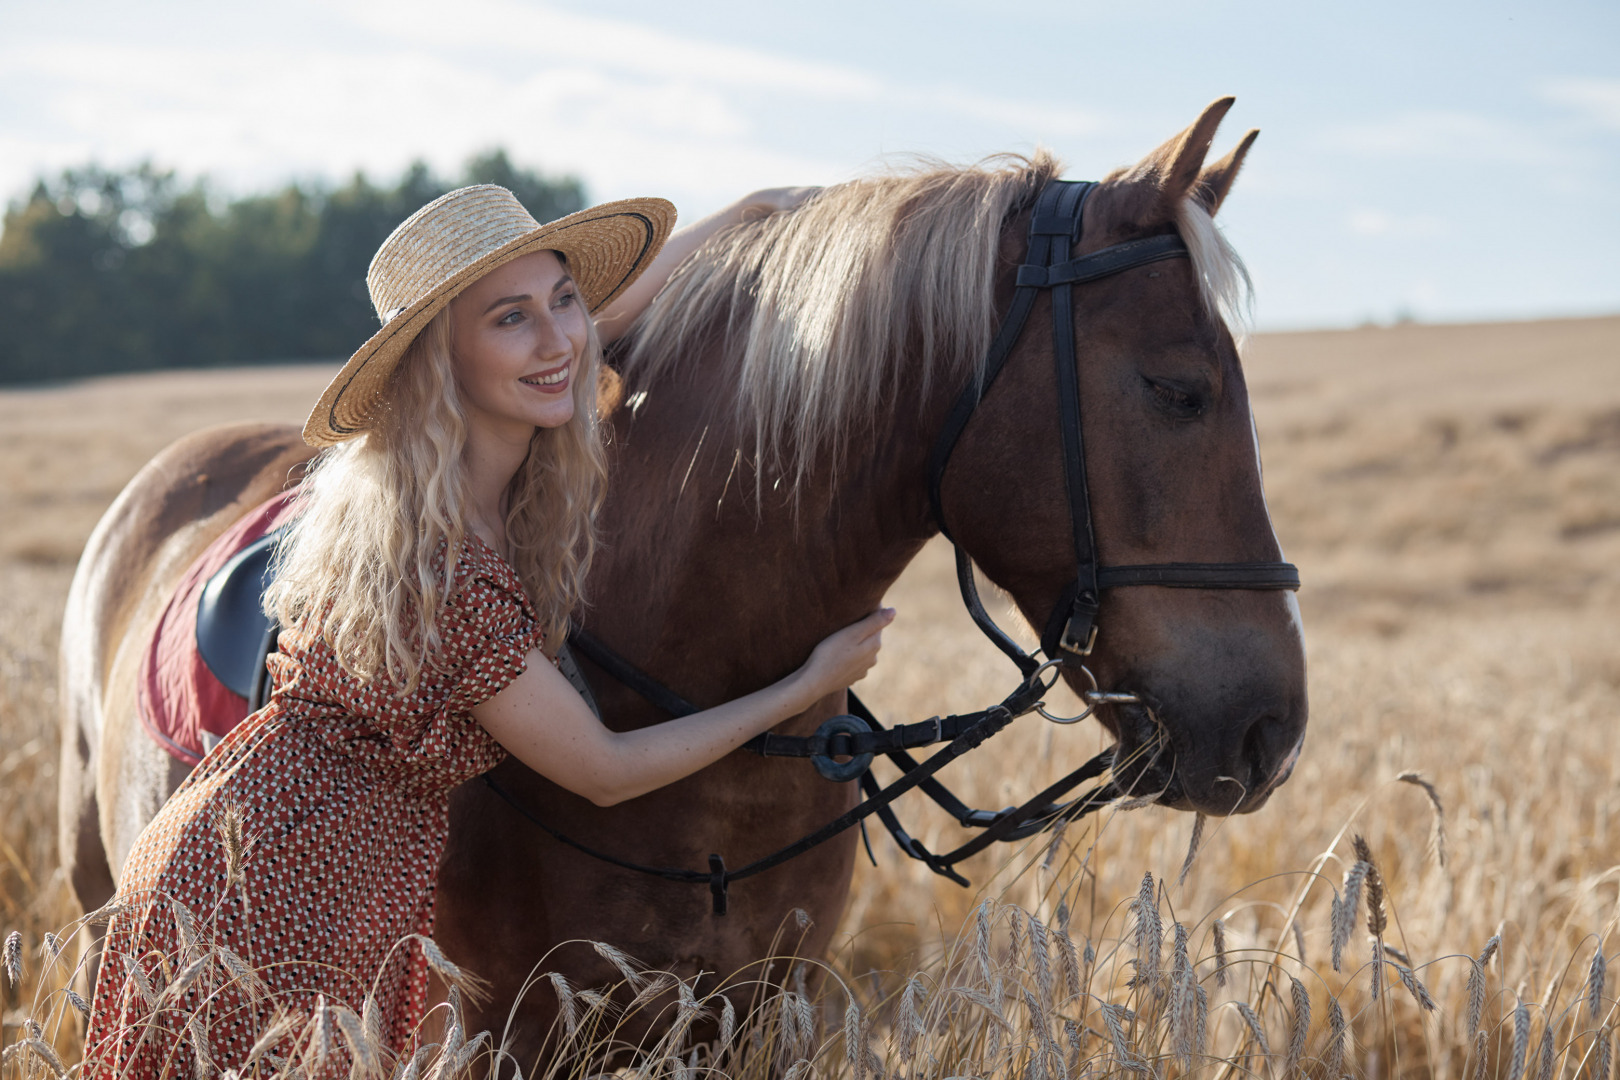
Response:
column 553, row 381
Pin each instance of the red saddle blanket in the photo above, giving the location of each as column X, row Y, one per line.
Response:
column 177, row 696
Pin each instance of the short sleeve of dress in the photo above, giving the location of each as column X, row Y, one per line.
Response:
column 487, row 632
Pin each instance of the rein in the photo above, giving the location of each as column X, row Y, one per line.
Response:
column 1069, row 637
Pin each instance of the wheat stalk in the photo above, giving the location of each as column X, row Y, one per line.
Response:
column 1437, row 837
column 1149, row 935
column 1595, row 978
column 565, row 1002
column 1257, row 1031
column 1300, row 1029
column 1521, row 1040
column 908, row 1020
column 1419, row 992
column 12, row 961
column 1193, row 843
column 1343, row 921
column 1545, row 1055
column 1040, row 952
column 1333, row 1064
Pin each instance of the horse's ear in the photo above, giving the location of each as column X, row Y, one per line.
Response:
column 1173, row 168
column 1216, row 180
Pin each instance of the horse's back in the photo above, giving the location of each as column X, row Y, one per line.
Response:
column 113, row 777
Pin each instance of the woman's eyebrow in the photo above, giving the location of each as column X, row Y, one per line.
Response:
column 507, row 300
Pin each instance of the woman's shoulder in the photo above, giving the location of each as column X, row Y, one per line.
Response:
column 482, row 574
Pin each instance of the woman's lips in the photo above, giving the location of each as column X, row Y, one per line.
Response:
column 554, row 381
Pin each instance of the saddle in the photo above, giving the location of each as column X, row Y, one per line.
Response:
column 235, row 636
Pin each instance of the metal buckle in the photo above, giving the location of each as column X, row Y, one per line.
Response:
column 1068, row 646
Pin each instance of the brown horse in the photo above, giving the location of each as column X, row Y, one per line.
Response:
column 769, row 453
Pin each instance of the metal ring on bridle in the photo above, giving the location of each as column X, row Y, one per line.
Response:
column 842, row 771
column 1040, row 706
column 1094, row 698
column 1034, row 677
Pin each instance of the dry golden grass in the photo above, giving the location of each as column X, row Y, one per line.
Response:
column 1452, row 496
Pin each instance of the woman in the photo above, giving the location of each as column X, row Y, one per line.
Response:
column 442, row 539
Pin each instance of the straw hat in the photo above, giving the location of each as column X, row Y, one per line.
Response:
column 451, row 243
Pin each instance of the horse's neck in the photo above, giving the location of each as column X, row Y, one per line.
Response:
column 737, row 581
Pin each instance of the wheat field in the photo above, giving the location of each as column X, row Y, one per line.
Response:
column 1452, row 497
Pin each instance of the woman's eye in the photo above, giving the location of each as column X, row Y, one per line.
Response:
column 511, row 318
column 565, row 300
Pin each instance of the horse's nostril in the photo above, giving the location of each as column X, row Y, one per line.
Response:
column 1266, row 745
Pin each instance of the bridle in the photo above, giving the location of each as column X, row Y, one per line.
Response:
column 1071, row 628
column 1069, row 636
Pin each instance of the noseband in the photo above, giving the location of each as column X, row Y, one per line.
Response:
column 1069, row 636
column 1071, row 628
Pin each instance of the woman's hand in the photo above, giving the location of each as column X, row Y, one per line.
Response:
column 767, row 201
column 844, row 657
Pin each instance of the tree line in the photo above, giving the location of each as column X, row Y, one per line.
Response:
column 107, row 271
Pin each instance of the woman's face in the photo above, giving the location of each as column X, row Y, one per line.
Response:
column 519, row 333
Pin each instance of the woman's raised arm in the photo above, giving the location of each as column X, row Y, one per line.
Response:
column 545, row 724
column 616, row 318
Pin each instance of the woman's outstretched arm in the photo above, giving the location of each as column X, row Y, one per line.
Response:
column 616, row 318
column 545, row 724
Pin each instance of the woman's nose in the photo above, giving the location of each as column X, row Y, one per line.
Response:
column 553, row 342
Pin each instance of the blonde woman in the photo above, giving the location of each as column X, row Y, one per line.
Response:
column 443, row 537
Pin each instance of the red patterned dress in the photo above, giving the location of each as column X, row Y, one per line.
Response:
column 342, row 793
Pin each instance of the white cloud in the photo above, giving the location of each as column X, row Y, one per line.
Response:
column 552, row 35
column 628, row 107
column 254, row 115
column 1598, row 100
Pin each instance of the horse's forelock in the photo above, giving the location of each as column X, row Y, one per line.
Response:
column 1223, row 280
column 1133, row 202
column 824, row 305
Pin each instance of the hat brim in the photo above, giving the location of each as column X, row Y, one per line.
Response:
column 607, row 248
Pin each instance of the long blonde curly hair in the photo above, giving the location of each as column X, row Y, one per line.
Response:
column 362, row 555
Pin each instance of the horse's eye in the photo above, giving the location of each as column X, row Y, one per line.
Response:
column 1176, row 400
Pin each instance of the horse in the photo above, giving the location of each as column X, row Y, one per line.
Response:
column 770, row 428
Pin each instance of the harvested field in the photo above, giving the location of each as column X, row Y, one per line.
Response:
column 1452, row 497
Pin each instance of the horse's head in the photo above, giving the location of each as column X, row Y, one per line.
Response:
column 1174, row 475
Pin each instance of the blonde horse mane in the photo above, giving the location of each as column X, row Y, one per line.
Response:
column 821, row 304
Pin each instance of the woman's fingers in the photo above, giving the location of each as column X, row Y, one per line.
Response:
column 846, row 655
column 875, row 622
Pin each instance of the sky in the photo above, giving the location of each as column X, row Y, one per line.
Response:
column 1431, row 160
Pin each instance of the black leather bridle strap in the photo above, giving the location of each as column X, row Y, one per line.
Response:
column 627, row 673
column 1105, row 263
column 1083, row 606
column 1054, row 220
column 1183, row 575
column 1044, row 223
